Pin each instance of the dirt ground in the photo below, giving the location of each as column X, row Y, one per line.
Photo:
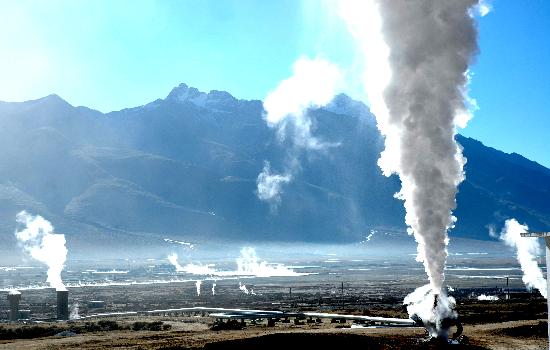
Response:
column 195, row 333
column 518, row 323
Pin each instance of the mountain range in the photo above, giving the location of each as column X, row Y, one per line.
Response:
column 185, row 167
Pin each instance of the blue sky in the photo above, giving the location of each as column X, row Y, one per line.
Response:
column 110, row 55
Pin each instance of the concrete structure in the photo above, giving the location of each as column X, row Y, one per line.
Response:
column 62, row 304
column 546, row 236
column 14, row 297
column 24, row 314
column 96, row 304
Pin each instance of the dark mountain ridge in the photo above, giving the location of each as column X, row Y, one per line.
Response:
column 186, row 166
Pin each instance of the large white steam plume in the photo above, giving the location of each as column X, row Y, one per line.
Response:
column 37, row 238
column 416, row 55
column 431, row 308
column 313, row 84
column 527, row 250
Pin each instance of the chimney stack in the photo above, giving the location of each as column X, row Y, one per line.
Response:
column 62, row 304
column 14, row 297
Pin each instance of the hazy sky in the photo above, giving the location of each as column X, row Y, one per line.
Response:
column 109, row 55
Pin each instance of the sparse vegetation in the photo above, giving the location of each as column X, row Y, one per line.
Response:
column 12, row 332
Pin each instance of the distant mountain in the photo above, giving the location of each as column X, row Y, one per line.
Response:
column 186, row 167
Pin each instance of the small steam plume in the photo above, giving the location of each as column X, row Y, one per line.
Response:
column 173, row 259
column 186, row 244
column 193, row 269
column 484, row 297
column 37, row 238
column 313, row 84
column 416, row 74
column 248, row 263
column 74, row 312
column 269, row 185
column 198, row 286
column 527, row 250
column 245, row 290
column 368, row 237
column 213, row 288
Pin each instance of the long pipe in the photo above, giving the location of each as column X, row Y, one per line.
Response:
column 264, row 314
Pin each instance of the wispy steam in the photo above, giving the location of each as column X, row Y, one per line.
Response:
column 74, row 315
column 483, row 8
column 173, row 259
column 248, row 264
column 173, row 241
column 368, row 237
column 269, row 185
column 193, row 269
column 484, row 297
column 198, row 287
column 527, row 250
column 313, row 84
column 245, row 290
column 416, row 73
column 37, row 238
column 213, row 288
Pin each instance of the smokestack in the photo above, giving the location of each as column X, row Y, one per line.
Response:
column 14, row 297
column 62, row 304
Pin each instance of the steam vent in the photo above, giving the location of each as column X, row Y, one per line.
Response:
column 62, row 304
column 14, row 299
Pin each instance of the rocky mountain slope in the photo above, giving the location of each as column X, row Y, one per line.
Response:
column 186, row 166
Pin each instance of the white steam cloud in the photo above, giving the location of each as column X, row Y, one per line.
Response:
column 198, row 287
column 313, row 84
column 416, row 74
column 484, row 297
column 37, row 238
column 432, row 308
column 74, row 315
column 213, row 288
column 248, row 264
column 173, row 259
column 483, row 8
column 269, row 185
column 245, row 290
column 527, row 250
column 173, row 241
column 194, row 269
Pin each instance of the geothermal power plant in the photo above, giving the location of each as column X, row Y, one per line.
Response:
column 15, row 313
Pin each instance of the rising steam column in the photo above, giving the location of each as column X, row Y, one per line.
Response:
column 546, row 236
